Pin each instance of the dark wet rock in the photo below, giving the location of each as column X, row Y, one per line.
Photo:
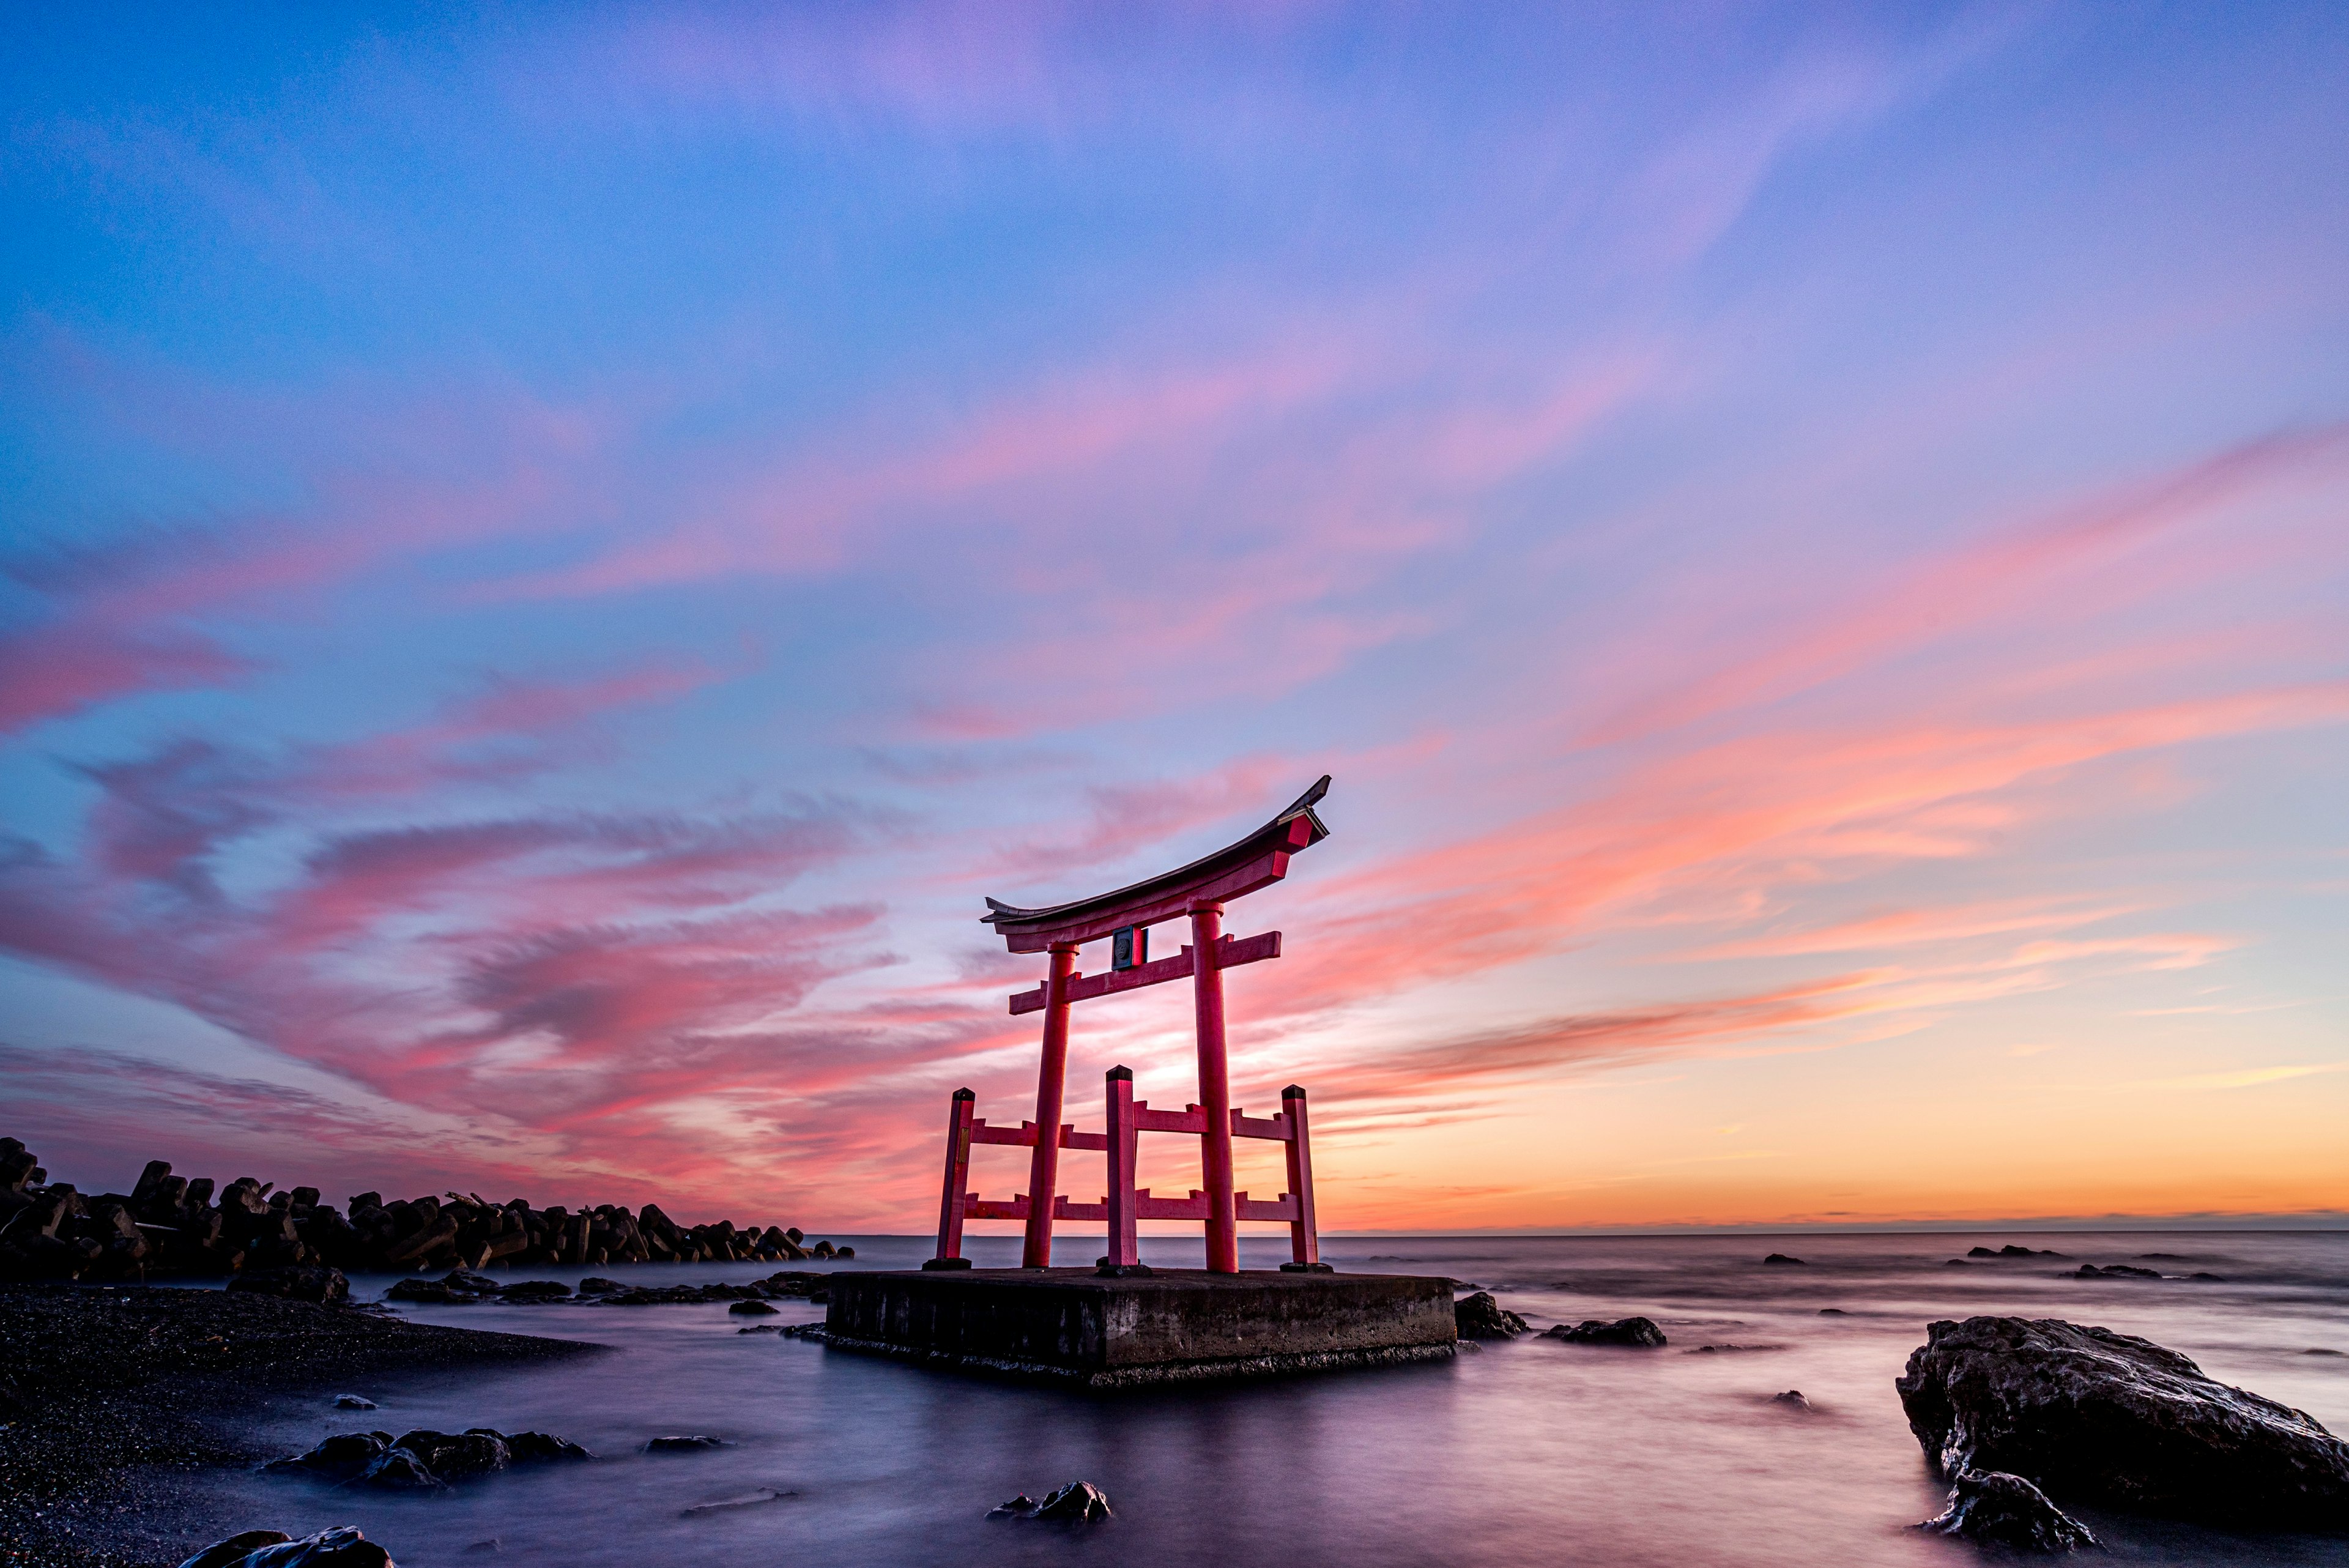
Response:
column 683, row 1445
column 399, row 1470
column 474, row 1452
column 753, row 1309
column 1479, row 1317
column 2114, row 1271
column 1730, row 1349
column 431, row 1292
column 2208, row 1277
column 1781, row 1259
column 299, row 1283
column 1833, row 1312
column 596, row 1285
column 1636, row 1333
column 336, row 1458
column 1079, row 1502
column 1957, row 1263
column 2161, row 1257
column 466, row 1280
column 1019, row 1507
column 536, row 1291
column 1994, row 1509
column 341, row 1547
column 2320, row 1351
column 2110, row 1419
column 353, row 1402
column 1792, row 1398
column 761, row 1328
column 530, row 1448
column 2010, row 1251
column 236, row 1548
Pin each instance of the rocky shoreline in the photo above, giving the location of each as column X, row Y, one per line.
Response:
column 114, row 1403
column 169, row 1226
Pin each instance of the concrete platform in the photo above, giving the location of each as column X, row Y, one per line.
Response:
column 1073, row 1325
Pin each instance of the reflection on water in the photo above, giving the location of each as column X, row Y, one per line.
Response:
column 1531, row 1452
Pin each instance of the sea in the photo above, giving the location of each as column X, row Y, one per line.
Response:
column 1531, row 1451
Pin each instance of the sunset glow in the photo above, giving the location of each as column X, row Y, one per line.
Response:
column 552, row 560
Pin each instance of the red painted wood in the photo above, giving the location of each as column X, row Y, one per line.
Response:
column 1215, row 1090
column 1051, row 1074
column 957, row 1176
column 997, row 1207
column 1021, row 1136
column 1064, row 1210
column 1273, row 1127
column 1146, row 1206
column 1125, row 1245
column 1193, row 1120
column 1233, row 871
column 1303, row 1236
column 1283, row 1209
column 1235, row 952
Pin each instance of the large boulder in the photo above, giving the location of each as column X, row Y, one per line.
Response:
column 236, row 1548
column 2107, row 1418
column 1632, row 1333
column 341, row 1547
column 1479, row 1317
column 1995, row 1509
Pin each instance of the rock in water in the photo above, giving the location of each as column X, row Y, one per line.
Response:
column 1637, row 1333
column 683, row 1445
column 353, row 1402
column 1482, row 1317
column 753, row 1309
column 2000, row 1509
column 1792, row 1399
column 1079, row 1502
column 398, row 1470
column 338, row 1458
column 1019, row 1507
column 1780, row 1259
column 236, row 1548
column 527, row 1446
column 2112, row 1418
column 299, row 1282
column 341, row 1547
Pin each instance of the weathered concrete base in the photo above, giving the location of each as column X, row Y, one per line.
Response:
column 1075, row 1326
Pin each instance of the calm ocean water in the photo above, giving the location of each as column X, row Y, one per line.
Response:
column 1528, row 1452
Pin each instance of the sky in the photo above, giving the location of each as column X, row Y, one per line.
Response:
column 551, row 556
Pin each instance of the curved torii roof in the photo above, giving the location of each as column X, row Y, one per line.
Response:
column 1256, row 861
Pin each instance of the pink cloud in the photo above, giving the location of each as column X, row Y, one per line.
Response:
column 55, row 672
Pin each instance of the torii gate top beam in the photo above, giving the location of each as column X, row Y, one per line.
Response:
column 1256, row 861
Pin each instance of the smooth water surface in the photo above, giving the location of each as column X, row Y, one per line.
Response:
column 1528, row 1452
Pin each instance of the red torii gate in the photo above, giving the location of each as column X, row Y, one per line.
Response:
column 1199, row 891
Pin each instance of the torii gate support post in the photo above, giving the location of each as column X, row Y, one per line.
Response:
column 1305, row 1239
column 1215, row 1090
column 961, row 1111
column 1124, row 1237
column 1051, row 1082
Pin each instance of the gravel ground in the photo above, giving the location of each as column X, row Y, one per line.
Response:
column 115, row 1401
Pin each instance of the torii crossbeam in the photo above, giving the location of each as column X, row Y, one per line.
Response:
column 1197, row 891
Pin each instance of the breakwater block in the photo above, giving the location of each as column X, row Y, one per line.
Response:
column 1078, row 1327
